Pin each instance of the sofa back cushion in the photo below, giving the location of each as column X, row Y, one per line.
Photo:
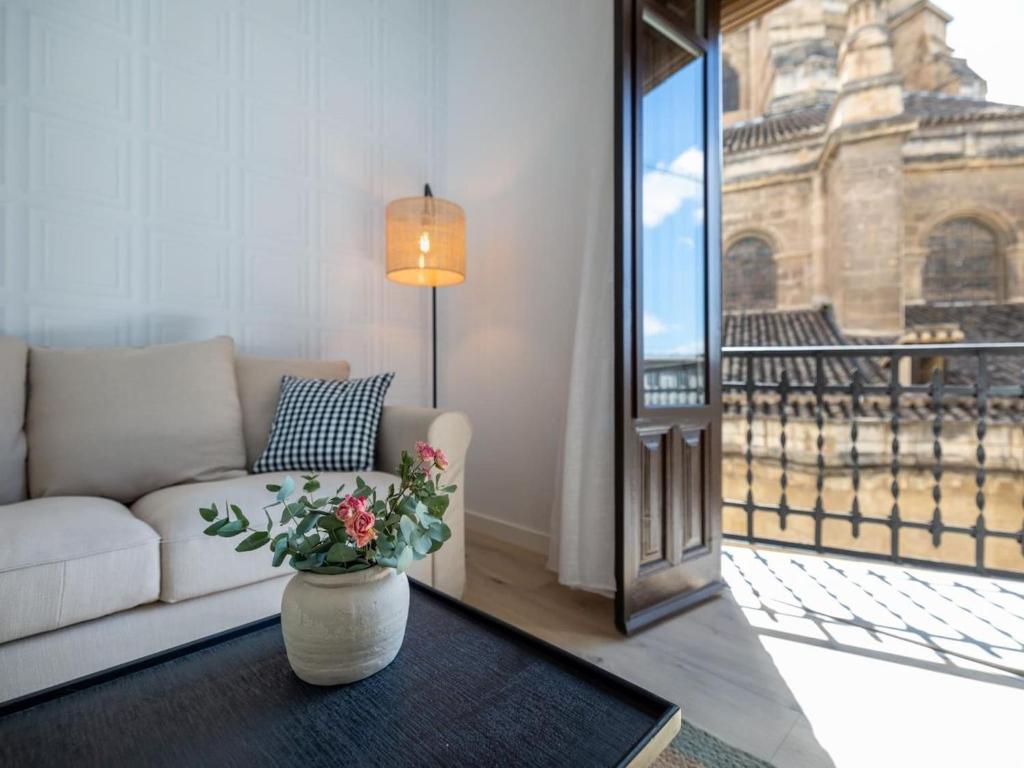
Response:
column 122, row 422
column 13, row 367
column 259, row 387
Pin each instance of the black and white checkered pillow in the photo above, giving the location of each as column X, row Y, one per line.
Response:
column 324, row 425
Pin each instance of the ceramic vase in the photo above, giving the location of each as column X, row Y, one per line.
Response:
column 340, row 628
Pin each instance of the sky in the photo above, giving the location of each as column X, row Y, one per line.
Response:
column 988, row 34
column 673, row 216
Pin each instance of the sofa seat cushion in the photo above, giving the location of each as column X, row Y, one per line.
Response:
column 69, row 559
column 122, row 422
column 194, row 564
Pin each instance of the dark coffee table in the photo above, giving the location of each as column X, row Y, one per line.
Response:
column 466, row 689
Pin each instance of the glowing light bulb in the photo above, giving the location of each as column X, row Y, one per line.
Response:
column 424, row 249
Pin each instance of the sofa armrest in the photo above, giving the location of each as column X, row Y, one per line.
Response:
column 400, row 427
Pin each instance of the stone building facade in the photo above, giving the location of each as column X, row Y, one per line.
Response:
column 872, row 194
column 864, row 168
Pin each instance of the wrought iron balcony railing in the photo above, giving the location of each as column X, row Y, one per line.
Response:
column 878, row 451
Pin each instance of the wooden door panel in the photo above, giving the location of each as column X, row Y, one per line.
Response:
column 668, row 393
column 691, row 481
column 653, row 496
column 669, row 500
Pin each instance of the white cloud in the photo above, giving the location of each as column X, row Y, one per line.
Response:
column 653, row 325
column 667, row 187
column 688, row 350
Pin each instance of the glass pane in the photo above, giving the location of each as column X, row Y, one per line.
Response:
column 674, row 314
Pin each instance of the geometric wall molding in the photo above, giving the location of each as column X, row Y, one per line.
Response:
column 176, row 169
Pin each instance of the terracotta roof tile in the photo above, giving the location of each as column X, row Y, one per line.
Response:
column 940, row 108
column 775, row 129
column 929, row 108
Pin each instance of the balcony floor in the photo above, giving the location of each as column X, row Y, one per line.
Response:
column 806, row 660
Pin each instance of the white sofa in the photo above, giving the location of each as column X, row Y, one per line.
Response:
column 106, row 457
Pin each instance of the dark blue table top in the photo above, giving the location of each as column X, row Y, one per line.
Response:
column 465, row 689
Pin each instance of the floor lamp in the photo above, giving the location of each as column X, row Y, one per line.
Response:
column 426, row 246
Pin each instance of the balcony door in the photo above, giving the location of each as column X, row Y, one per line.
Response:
column 668, row 328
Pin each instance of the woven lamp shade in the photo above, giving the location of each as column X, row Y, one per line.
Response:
column 426, row 241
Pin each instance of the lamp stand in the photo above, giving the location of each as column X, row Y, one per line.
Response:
column 433, row 325
column 433, row 341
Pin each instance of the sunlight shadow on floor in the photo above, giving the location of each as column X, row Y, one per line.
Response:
column 890, row 665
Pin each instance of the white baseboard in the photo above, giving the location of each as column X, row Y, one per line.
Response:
column 510, row 533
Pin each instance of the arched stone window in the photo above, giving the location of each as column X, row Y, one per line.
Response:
column 963, row 263
column 730, row 88
column 749, row 274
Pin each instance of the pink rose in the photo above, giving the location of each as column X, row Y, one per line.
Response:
column 425, row 451
column 440, row 460
column 359, row 525
column 350, row 505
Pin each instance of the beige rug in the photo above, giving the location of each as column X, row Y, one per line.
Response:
column 694, row 748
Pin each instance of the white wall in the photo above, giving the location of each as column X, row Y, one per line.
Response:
column 175, row 169
column 530, row 113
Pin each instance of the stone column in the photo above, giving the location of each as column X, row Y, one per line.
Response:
column 1015, row 271
column 864, row 176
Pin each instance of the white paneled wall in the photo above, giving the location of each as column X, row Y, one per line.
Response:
column 175, row 169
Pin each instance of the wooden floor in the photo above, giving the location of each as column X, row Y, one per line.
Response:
column 805, row 661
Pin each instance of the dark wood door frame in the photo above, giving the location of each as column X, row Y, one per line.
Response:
column 686, row 441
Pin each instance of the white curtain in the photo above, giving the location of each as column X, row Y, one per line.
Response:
column 583, row 521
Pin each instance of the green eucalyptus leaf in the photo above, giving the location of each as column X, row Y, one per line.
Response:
column 280, row 546
column 439, row 532
column 312, row 485
column 304, row 562
column 287, row 488
column 209, row 515
column 253, row 541
column 329, row 523
column 273, row 488
column 408, row 528
column 232, row 528
column 240, row 515
column 306, row 524
column 438, row 505
column 341, row 553
column 405, row 558
column 421, row 543
column 211, row 530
